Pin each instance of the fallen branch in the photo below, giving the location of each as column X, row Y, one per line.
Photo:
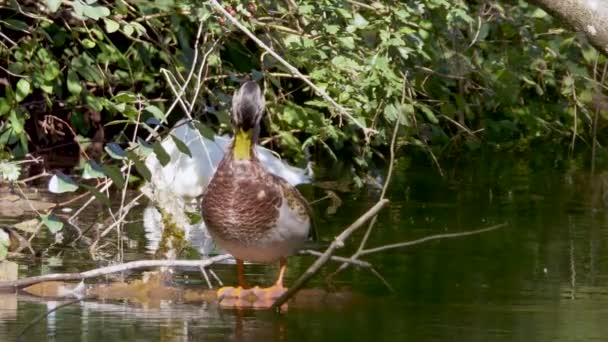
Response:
column 111, row 269
column 341, row 110
column 326, row 256
column 429, row 238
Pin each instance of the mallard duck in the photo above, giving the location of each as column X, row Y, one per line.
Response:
column 249, row 212
column 175, row 186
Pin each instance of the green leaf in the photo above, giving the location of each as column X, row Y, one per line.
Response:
column 115, row 175
column 17, row 122
column 101, row 197
column 92, row 170
column 124, row 97
column 181, row 146
column 161, row 154
column 53, row 5
column 52, row 222
column 61, row 183
column 156, row 112
column 28, row 226
column 15, row 24
column 204, row 130
column 140, row 166
column 128, row 30
column 115, row 151
column 194, row 217
column 9, row 171
column 144, row 148
column 428, row 113
column 78, row 8
column 4, row 106
column 73, row 82
column 111, row 25
column 23, row 89
column 88, row 43
column 359, row 21
column 96, row 12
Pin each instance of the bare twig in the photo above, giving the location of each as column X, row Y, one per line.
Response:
column 322, row 260
column 111, row 269
column 429, row 238
column 341, row 110
column 370, row 227
column 360, row 263
column 594, row 127
column 46, row 314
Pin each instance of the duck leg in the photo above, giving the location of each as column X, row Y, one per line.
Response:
column 256, row 297
column 240, row 273
column 230, row 295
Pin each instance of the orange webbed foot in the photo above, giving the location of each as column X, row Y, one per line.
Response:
column 255, row 297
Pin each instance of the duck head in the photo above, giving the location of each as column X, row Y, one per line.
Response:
column 247, row 111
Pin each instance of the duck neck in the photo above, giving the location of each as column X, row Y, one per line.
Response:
column 243, row 144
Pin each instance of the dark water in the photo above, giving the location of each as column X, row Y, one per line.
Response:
column 544, row 277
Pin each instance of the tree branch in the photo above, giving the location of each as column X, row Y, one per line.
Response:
column 111, row 269
column 341, row 110
column 590, row 17
column 429, row 238
column 326, row 256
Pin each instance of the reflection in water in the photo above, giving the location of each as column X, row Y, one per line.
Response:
column 196, row 234
column 542, row 278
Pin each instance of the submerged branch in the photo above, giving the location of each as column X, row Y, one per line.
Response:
column 325, row 257
column 111, row 269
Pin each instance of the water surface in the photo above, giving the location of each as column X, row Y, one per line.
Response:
column 543, row 277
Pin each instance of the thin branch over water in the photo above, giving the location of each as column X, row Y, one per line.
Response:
column 429, row 238
column 111, row 269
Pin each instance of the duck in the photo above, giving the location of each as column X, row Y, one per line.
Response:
column 175, row 188
column 250, row 212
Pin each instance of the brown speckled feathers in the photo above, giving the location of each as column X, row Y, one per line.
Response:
column 242, row 201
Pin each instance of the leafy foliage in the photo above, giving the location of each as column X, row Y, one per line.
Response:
column 502, row 73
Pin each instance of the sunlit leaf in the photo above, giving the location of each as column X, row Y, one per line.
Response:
column 96, row 12
column 144, row 148
column 53, row 5
column 52, row 222
column 88, row 43
column 124, row 96
column 156, row 112
column 61, row 183
column 73, row 82
column 111, row 25
column 128, row 29
column 115, row 151
column 92, row 170
column 9, row 172
column 28, row 226
column 23, row 89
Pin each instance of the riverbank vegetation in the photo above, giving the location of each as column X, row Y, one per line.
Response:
column 453, row 75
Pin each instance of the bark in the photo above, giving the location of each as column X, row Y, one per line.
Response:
column 587, row 16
